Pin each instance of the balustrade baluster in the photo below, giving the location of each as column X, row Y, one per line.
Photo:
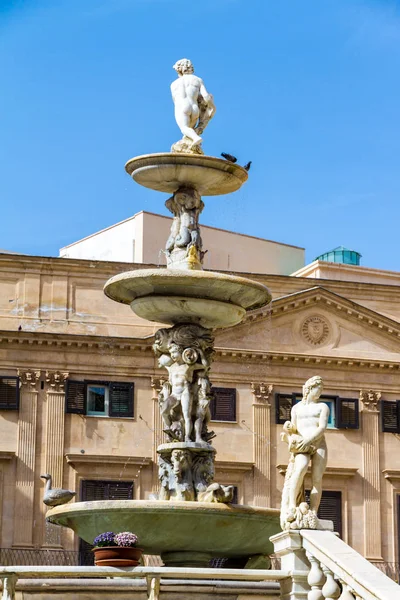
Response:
column 315, row 579
column 346, row 592
column 9, row 583
column 330, row 590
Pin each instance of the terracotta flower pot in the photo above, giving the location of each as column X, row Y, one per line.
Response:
column 117, row 556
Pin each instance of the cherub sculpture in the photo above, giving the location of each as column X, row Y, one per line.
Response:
column 194, row 107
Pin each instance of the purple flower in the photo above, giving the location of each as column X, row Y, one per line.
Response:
column 126, row 538
column 105, row 539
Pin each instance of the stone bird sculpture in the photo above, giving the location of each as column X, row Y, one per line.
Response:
column 56, row 496
column 229, row 157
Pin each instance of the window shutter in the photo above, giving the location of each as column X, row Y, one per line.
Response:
column 120, row 490
column 75, row 397
column 9, row 393
column 121, row 399
column 330, row 508
column 283, row 406
column 390, row 416
column 92, row 490
column 347, row 413
column 223, row 404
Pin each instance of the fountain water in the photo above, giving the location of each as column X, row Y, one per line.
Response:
column 192, row 520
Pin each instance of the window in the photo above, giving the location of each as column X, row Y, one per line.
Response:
column 99, row 398
column 223, row 404
column 92, row 490
column 390, row 415
column 330, row 508
column 343, row 412
column 9, row 393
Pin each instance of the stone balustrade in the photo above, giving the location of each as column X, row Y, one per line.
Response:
column 154, row 576
column 323, row 567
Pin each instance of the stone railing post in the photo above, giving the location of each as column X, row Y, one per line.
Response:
column 371, row 473
column 330, row 590
column 26, row 452
column 289, row 548
column 54, row 442
column 9, row 585
column 262, row 443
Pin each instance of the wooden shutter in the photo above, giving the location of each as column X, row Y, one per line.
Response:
column 9, row 393
column 92, row 490
column 75, row 397
column 390, row 416
column 330, row 508
column 347, row 413
column 223, row 404
column 283, row 407
column 121, row 399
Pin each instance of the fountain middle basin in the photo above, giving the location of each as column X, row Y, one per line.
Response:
column 183, row 533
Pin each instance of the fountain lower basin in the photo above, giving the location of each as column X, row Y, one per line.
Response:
column 183, row 533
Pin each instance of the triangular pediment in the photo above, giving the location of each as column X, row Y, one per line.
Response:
column 319, row 322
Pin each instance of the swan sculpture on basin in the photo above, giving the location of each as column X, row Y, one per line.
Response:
column 56, row 496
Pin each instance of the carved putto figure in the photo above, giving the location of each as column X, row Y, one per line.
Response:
column 186, row 206
column 186, row 352
column 304, row 434
column 194, row 107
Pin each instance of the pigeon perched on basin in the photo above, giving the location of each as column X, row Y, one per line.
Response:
column 247, row 165
column 229, row 157
column 56, row 496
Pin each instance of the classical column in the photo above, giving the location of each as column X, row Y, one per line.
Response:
column 371, row 474
column 54, row 442
column 25, row 478
column 262, row 443
column 159, row 435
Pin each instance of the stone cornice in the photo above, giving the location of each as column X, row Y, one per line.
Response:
column 329, row 471
column 75, row 342
column 227, row 465
column 100, row 459
column 392, row 475
column 6, row 455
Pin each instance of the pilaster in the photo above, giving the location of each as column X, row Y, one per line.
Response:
column 371, row 474
column 159, row 435
column 26, row 448
column 54, row 442
column 262, row 443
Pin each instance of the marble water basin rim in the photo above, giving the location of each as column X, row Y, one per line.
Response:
column 167, row 172
column 222, row 287
column 168, row 526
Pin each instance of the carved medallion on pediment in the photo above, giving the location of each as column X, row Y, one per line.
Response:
column 315, row 330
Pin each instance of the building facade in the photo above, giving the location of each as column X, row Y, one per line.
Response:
column 79, row 384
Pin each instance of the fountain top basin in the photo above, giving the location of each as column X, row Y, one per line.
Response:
column 220, row 530
column 167, row 172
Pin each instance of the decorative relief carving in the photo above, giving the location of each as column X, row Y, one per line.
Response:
column 370, row 399
column 315, row 330
column 262, row 392
column 29, row 377
column 56, row 380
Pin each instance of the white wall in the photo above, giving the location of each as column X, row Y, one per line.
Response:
column 115, row 243
column 227, row 251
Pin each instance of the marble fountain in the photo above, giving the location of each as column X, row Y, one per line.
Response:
column 192, row 519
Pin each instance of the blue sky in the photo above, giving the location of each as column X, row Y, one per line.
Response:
column 309, row 90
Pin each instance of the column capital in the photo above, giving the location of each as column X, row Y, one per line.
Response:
column 370, row 400
column 56, row 381
column 29, row 377
column 262, row 392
